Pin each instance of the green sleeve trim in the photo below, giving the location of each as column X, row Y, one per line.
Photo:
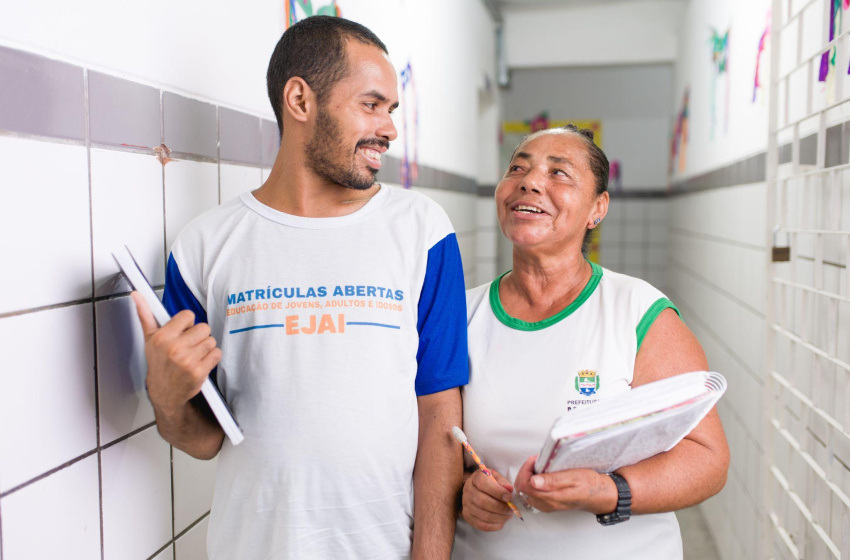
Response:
column 651, row 315
column 502, row 315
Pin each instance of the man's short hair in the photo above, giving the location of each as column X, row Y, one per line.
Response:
column 314, row 50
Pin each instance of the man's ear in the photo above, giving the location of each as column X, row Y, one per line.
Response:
column 299, row 100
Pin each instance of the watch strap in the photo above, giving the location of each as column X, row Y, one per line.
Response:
column 623, row 511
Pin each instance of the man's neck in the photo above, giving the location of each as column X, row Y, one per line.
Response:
column 293, row 189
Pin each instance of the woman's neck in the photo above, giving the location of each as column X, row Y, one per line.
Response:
column 538, row 288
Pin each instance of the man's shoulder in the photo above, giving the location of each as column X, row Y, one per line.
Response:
column 418, row 212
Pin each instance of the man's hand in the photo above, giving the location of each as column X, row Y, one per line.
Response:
column 574, row 489
column 485, row 502
column 180, row 356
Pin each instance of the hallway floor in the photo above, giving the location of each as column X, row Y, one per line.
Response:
column 696, row 540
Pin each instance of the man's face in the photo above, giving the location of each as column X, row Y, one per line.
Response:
column 353, row 125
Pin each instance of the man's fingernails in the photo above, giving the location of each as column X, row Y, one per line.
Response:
column 537, row 481
column 506, row 497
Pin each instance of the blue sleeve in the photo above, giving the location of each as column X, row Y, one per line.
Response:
column 178, row 296
column 442, row 355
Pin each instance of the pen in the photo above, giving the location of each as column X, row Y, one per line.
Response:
column 461, row 437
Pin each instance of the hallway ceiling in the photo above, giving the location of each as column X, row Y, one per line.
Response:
column 550, row 3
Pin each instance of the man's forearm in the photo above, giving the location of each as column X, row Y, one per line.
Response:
column 438, row 476
column 191, row 429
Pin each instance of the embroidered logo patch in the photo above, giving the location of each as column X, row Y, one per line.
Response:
column 587, row 382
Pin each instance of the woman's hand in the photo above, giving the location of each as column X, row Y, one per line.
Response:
column 574, row 489
column 485, row 503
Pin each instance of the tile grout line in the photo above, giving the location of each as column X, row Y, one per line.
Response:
column 162, row 141
column 45, row 474
column 716, row 239
column 71, row 303
column 716, row 288
column 218, row 149
column 87, row 114
column 1, row 530
column 77, row 459
column 173, row 542
column 128, row 435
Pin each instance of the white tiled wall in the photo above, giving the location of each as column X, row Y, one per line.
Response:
column 136, row 494
column 47, row 392
column 79, row 449
column 716, row 276
column 58, row 517
column 633, row 238
column 126, row 193
column 236, row 179
column 45, row 212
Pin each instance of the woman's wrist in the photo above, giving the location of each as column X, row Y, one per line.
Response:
column 606, row 495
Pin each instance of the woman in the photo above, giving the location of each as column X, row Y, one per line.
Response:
column 533, row 333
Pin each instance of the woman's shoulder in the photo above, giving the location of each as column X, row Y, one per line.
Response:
column 616, row 284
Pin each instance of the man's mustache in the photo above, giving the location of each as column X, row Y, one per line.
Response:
column 380, row 142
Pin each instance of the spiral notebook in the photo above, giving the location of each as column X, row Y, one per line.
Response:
column 134, row 275
column 625, row 429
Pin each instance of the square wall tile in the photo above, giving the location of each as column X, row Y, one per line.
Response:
column 270, row 138
column 56, row 517
column 236, row 179
column 239, row 136
column 44, row 224
column 121, row 370
column 41, row 96
column 191, row 188
column 136, row 496
column 189, row 126
column 47, row 397
column 109, row 120
column 126, row 210
column 194, row 482
column 485, row 212
column 485, row 243
column 193, row 545
column 167, row 554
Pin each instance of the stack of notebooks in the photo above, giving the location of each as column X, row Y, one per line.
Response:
column 628, row 428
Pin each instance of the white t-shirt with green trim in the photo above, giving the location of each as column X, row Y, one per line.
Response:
column 523, row 376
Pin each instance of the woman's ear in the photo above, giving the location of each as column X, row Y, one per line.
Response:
column 600, row 210
column 299, row 100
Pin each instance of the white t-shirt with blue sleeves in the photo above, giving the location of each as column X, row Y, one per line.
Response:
column 329, row 329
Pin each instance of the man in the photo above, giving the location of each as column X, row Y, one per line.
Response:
column 339, row 309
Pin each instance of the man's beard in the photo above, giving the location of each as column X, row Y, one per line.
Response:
column 327, row 158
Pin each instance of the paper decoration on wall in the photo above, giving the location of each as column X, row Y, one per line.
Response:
column 296, row 10
column 679, row 144
column 615, row 175
column 410, row 128
column 826, row 73
column 762, row 75
column 720, row 62
column 542, row 122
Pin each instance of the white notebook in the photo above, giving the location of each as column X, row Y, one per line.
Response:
column 628, row 428
column 137, row 280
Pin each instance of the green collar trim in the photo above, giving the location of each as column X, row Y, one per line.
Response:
column 502, row 315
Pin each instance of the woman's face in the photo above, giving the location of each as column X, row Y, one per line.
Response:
column 547, row 198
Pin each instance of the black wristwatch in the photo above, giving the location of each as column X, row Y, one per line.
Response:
column 624, row 503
